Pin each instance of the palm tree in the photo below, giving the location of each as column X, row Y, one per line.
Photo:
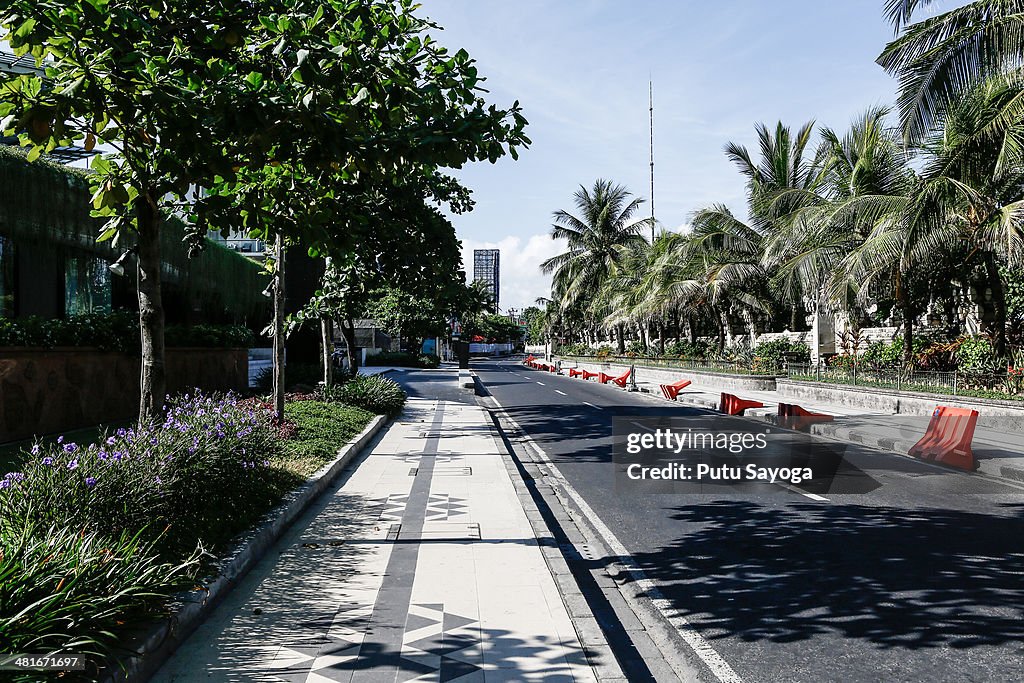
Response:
column 605, row 221
column 940, row 60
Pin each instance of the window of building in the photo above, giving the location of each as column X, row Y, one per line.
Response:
column 6, row 278
column 86, row 286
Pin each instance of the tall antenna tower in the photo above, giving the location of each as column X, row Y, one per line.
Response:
column 651, row 101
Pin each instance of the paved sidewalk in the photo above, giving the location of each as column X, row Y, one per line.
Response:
column 420, row 564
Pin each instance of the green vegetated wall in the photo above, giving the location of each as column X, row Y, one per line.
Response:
column 47, row 203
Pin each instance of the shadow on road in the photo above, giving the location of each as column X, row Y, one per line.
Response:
column 899, row 578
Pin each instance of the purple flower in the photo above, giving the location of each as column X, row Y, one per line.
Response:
column 35, row 449
column 73, row 464
column 48, row 461
column 102, row 455
column 70, row 447
column 111, row 440
column 60, row 439
column 90, row 481
column 122, row 431
column 5, row 484
column 14, row 476
column 266, row 463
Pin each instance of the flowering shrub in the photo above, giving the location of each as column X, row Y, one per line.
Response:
column 194, row 478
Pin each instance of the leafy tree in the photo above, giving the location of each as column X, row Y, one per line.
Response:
column 941, row 59
column 403, row 314
column 605, row 220
column 154, row 81
column 266, row 103
column 533, row 318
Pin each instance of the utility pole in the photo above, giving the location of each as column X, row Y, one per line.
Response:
column 651, row 101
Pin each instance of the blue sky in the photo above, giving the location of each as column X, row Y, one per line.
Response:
column 580, row 68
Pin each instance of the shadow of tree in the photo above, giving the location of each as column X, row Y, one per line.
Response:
column 898, row 578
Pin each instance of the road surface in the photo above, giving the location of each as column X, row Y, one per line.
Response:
column 919, row 579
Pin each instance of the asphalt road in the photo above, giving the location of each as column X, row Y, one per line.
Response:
column 918, row 578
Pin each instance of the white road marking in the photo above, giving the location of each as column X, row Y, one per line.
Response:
column 561, row 392
column 542, row 384
column 592, row 405
column 714, row 661
column 813, row 496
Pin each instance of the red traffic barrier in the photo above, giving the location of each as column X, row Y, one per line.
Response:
column 793, row 416
column 670, row 391
column 573, row 372
column 541, row 366
column 620, row 380
column 587, row 374
column 948, row 438
column 554, row 369
column 734, row 405
column 529, row 359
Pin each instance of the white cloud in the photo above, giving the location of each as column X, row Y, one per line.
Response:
column 521, row 278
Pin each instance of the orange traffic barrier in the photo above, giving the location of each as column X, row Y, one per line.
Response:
column 801, row 419
column 573, row 372
column 620, row 380
column 554, row 368
column 672, row 390
column 541, row 366
column 529, row 359
column 587, row 374
column 734, row 405
column 948, row 438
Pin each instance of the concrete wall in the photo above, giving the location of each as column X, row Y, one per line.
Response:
column 711, row 380
column 44, row 391
column 1005, row 415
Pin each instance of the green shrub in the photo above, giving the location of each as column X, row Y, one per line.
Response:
column 429, row 361
column 69, row 590
column 377, row 394
column 699, row 350
column 210, row 336
column 402, row 359
column 975, row 355
column 117, row 331
column 771, row 356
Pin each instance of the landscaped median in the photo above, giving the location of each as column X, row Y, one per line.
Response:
column 96, row 540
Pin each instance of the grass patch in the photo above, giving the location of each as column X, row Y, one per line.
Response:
column 322, row 428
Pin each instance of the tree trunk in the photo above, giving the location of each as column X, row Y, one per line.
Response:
column 153, row 378
column 279, row 340
column 691, row 329
column 995, row 283
column 325, row 346
column 348, row 330
column 620, row 336
column 906, row 308
column 661, row 337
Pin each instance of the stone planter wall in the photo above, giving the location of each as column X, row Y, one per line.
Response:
column 715, row 380
column 995, row 414
column 44, row 391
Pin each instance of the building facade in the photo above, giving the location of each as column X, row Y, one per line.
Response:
column 487, row 269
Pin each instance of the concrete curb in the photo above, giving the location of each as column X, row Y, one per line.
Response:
column 190, row 609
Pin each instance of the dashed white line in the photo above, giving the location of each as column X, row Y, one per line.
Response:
column 542, row 384
column 592, row 405
column 561, row 392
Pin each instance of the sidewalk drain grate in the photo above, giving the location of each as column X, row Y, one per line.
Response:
column 453, row 471
column 441, row 531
